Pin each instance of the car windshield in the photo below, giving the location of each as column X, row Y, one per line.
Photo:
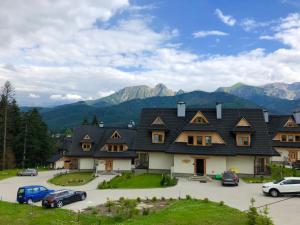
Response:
column 228, row 175
column 21, row 191
column 277, row 181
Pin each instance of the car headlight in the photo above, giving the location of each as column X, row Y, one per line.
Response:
column 265, row 186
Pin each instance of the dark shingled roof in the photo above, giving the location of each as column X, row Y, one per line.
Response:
column 260, row 144
column 100, row 137
column 54, row 158
column 276, row 124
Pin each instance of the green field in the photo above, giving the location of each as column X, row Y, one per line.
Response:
column 72, row 179
column 183, row 212
column 129, row 180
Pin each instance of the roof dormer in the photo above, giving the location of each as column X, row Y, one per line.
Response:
column 199, row 118
column 243, row 123
column 290, row 123
column 158, row 121
column 115, row 135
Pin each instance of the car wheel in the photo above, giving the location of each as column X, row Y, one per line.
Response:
column 59, row 204
column 29, row 201
column 274, row 193
column 83, row 197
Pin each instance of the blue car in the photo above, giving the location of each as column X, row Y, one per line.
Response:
column 30, row 194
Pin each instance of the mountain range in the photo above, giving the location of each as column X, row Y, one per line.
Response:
column 126, row 104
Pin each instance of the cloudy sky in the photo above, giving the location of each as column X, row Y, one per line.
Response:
column 69, row 50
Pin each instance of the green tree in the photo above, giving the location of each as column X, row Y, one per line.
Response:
column 85, row 121
column 95, row 121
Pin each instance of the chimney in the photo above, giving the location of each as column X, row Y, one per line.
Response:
column 297, row 117
column 266, row 115
column 180, row 109
column 219, row 110
column 101, row 124
column 131, row 124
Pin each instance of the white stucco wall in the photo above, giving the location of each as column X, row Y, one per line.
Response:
column 215, row 165
column 118, row 164
column 159, row 160
column 122, row 164
column 86, row 164
column 59, row 164
column 243, row 164
column 183, row 164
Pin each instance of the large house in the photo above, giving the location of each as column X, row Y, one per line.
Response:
column 187, row 141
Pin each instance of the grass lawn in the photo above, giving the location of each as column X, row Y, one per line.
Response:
column 13, row 172
column 72, row 179
column 257, row 180
column 183, row 212
column 129, row 180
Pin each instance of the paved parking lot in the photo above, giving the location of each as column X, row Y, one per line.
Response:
column 283, row 213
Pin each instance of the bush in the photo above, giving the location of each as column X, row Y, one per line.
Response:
column 121, row 199
column 279, row 171
column 206, row 200
column 154, row 199
column 145, row 211
column 104, row 185
column 188, row 197
column 221, row 203
column 167, row 181
column 163, row 198
column 254, row 218
column 138, row 199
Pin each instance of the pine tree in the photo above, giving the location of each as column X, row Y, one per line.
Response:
column 85, row 121
column 95, row 121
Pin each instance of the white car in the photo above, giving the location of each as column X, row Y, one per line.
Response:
column 288, row 185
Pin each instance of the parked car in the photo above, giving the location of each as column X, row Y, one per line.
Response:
column 63, row 197
column 34, row 193
column 230, row 177
column 288, row 185
column 28, row 172
column 296, row 165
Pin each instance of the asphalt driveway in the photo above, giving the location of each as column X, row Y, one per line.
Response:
column 283, row 213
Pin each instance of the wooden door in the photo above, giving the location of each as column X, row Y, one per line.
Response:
column 109, row 165
column 293, row 156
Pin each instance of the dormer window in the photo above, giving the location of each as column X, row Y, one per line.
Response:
column 86, row 146
column 158, row 137
column 115, row 147
column 208, row 140
column 290, row 138
column 290, row 123
column 116, row 135
column 243, row 139
column 199, row 118
column 243, row 123
column 158, row 121
column 190, row 140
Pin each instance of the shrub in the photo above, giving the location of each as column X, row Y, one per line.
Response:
column 145, row 211
column 138, row 199
column 188, row 197
column 221, row 203
column 109, row 204
column 167, row 181
column 154, row 199
column 128, row 175
column 206, row 200
column 163, row 198
column 279, row 171
column 254, row 218
column 104, row 185
column 121, row 199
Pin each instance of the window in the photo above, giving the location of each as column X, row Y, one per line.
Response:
column 109, row 148
column 86, row 146
column 157, row 138
column 200, row 120
column 43, row 189
column 121, row 147
column 115, row 135
column 290, row 138
column 190, row 140
column 297, row 138
column 283, row 138
column 199, row 140
column 115, row 148
column 207, row 140
column 243, row 141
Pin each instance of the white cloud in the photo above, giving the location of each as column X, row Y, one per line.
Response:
column 227, row 19
column 201, row 34
column 249, row 24
column 266, row 37
column 102, row 94
column 32, row 95
column 66, row 97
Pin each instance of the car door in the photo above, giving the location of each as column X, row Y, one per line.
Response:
column 296, row 186
column 43, row 192
column 286, row 186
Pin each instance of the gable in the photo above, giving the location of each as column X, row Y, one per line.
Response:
column 158, row 121
column 115, row 135
column 243, row 123
column 290, row 123
column 199, row 118
column 87, row 137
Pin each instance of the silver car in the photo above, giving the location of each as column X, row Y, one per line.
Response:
column 28, row 172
